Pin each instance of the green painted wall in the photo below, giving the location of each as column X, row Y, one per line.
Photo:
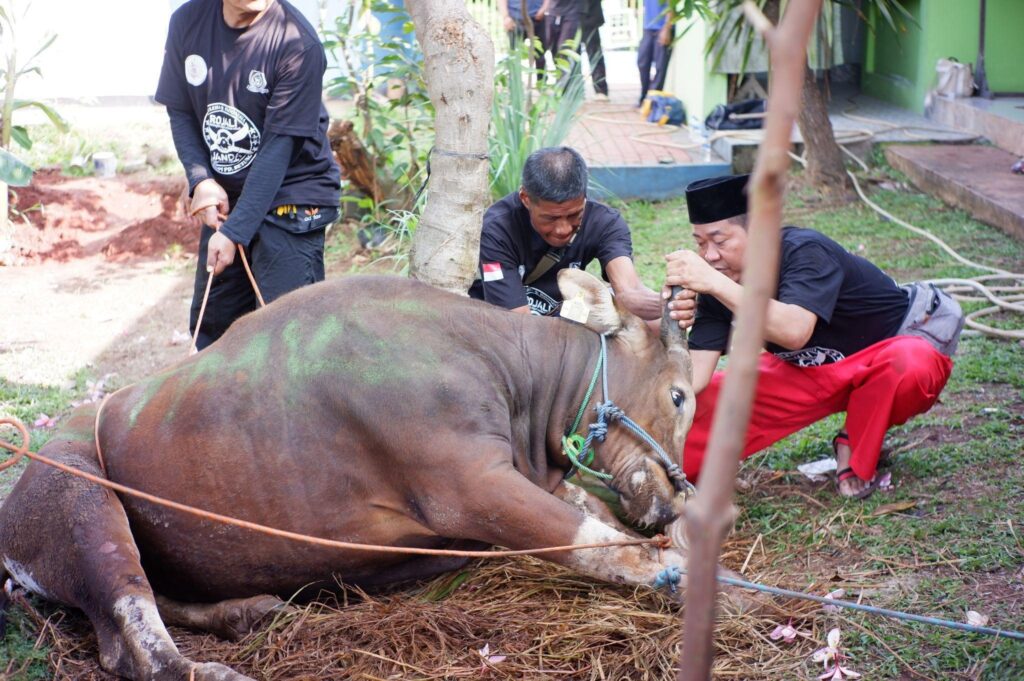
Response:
column 1004, row 56
column 689, row 74
column 901, row 69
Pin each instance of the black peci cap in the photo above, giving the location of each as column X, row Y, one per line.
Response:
column 716, row 198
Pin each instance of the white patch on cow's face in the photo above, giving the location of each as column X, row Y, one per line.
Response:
column 637, row 479
column 144, row 631
column 22, row 576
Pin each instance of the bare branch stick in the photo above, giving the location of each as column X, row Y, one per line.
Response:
column 708, row 517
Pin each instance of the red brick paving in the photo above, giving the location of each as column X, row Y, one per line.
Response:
column 615, row 134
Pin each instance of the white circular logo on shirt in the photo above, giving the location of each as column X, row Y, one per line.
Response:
column 232, row 138
column 195, row 69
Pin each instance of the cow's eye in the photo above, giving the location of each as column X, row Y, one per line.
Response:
column 677, row 397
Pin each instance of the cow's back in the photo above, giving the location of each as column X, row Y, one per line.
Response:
column 303, row 416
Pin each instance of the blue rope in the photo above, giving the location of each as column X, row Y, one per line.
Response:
column 670, row 576
column 896, row 614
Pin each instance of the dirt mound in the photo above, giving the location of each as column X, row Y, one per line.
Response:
column 124, row 218
column 151, row 237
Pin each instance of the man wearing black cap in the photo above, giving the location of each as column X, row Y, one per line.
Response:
column 841, row 335
column 550, row 225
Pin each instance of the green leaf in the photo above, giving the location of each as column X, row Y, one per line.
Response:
column 55, row 118
column 442, row 590
column 13, row 170
column 20, row 135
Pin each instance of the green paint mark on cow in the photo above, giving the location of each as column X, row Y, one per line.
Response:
column 416, row 309
column 255, row 355
column 292, row 337
column 330, row 328
column 150, row 388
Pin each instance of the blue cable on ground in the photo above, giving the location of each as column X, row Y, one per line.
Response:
column 873, row 610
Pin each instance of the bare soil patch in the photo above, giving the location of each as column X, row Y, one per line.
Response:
column 122, row 218
column 98, row 276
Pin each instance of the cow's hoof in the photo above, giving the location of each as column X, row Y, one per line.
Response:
column 242, row 615
column 211, row 671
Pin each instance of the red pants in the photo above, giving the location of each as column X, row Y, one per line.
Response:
column 881, row 386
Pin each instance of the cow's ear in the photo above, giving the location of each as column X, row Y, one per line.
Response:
column 602, row 315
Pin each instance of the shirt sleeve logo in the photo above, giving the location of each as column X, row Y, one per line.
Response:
column 492, row 271
column 231, row 136
column 257, row 82
column 195, row 70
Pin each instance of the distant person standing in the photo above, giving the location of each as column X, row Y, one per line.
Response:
column 591, row 20
column 655, row 46
column 562, row 18
column 512, row 19
column 242, row 82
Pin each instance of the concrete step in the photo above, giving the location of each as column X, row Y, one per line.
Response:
column 976, row 178
column 1000, row 120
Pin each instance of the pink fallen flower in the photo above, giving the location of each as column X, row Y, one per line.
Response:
column 833, row 595
column 786, row 633
column 485, row 653
column 44, row 421
column 831, row 657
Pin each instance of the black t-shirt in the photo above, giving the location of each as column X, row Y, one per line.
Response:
column 857, row 304
column 243, row 84
column 510, row 248
column 565, row 8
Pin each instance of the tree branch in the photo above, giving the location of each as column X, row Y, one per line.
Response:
column 707, row 516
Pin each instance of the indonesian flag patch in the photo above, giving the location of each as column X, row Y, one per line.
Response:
column 492, row 271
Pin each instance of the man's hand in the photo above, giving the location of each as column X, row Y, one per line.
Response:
column 209, row 203
column 689, row 270
column 683, row 307
column 508, row 22
column 665, row 34
column 220, row 253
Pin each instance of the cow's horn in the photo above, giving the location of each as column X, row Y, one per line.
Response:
column 671, row 335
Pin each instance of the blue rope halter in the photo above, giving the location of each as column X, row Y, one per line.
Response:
column 607, row 413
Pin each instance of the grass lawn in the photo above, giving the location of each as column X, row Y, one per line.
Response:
column 947, row 538
column 958, row 543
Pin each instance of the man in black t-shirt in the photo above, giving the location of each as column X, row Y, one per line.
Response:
column 547, row 226
column 835, row 337
column 242, row 82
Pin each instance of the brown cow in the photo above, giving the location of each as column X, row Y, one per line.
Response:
column 369, row 409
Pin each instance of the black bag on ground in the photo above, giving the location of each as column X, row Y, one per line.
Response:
column 720, row 116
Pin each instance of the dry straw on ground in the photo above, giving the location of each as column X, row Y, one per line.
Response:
column 544, row 621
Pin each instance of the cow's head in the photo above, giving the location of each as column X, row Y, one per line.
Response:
column 649, row 378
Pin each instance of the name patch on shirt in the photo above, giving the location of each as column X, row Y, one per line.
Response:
column 492, row 271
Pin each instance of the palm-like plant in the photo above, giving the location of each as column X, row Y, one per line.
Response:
column 13, row 171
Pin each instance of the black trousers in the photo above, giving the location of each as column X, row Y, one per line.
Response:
column 518, row 34
column 592, row 39
column 651, row 52
column 286, row 253
column 560, row 30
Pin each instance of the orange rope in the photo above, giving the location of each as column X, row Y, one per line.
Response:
column 206, row 296
column 658, row 541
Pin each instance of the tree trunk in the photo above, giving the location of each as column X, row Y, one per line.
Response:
column 459, row 72
column 825, row 169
